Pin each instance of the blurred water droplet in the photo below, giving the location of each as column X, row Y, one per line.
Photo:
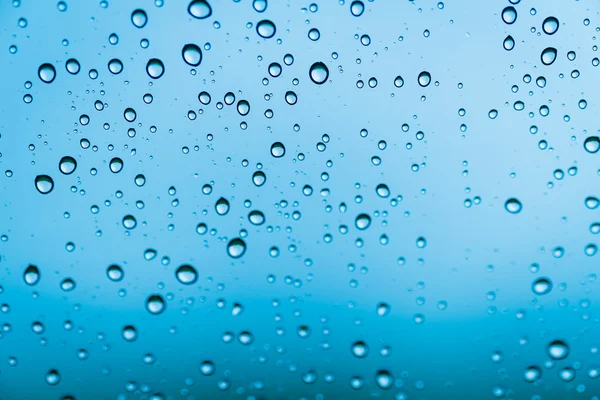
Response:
column 558, row 350
column 31, row 276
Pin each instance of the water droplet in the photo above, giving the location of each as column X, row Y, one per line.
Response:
column 129, row 333
column 115, row 66
column 116, row 165
column 541, row 286
column 67, row 165
column 243, row 107
column 509, row 43
column 115, row 273
column 357, row 8
column 259, row 178
column 384, row 379
column 259, row 5
column 424, row 79
column 513, row 206
column 558, row 350
column 548, row 55
column 236, row 248
column 139, row 18
column 277, row 150
column 52, row 377
column 222, row 206
column 266, row 29
column 155, row 304
column 509, row 15
column 129, row 222
column 47, row 73
column 256, row 218
column 383, row 309
column 186, row 274
column 31, row 276
column 207, row 368
column 192, row 54
column 362, row 222
column 532, row 374
column 567, row 374
column 44, row 184
column 592, row 144
column 592, row 202
column 550, row 25
column 155, row 68
column 382, row 190
column 72, row 66
column 359, row 349
column 200, row 9
column 67, row 284
column 319, row 73
column 398, row 81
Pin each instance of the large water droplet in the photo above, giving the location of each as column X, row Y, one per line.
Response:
column 382, row 190
column 116, row 165
column 548, row 56
column 509, row 15
column 115, row 273
column 357, row 8
column 186, row 274
column 362, row 222
column 592, row 144
column 47, row 73
column 139, row 18
column 31, row 276
column 155, row 304
column 67, row 165
column 200, row 9
column 129, row 333
column 277, row 150
column 155, row 68
column 256, row 217
column 319, row 73
column 222, row 206
column 259, row 178
column 359, row 349
column 550, row 25
column 513, row 206
column 192, row 54
column 259, row 5
column 207, row 368
column 424, row 79
column 541, row 286
column 384, row 379
column 558, row 350
column 266, row 29
column 44, row 184
column 236, row 248
column 72, row 66
column 52, row 377
column 129, row 222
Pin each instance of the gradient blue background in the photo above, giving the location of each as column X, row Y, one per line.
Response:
column 470, row 251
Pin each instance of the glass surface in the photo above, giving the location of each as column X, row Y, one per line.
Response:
column 293, row 200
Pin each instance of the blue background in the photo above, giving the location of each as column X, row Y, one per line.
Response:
column 477, row 259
